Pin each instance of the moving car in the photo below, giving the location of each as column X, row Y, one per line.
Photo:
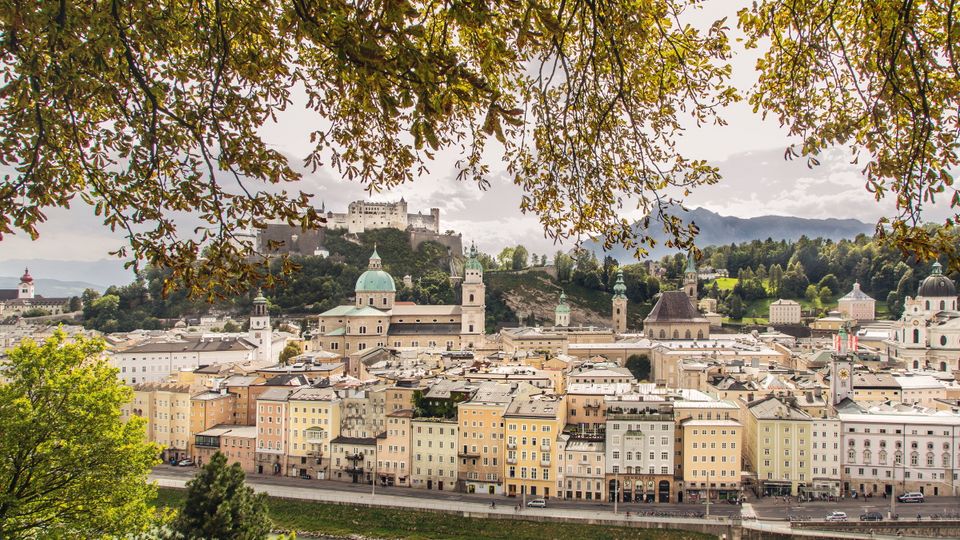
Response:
column 912, row 497
column 836, row 516
column 537, row 503
column 871, row 516
column 185, row 462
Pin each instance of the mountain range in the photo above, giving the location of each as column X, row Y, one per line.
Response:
column 63, row 277
column 718, row 230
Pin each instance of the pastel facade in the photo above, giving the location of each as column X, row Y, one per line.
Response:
column 778, row 444
column 532, row 428
column 785, row 312
column 314, row 421
column 481, row 441
column 857, row 305
column 434, row 454
column 237, row 443
column 166, row 408
column 640, row 451
column 393, row 450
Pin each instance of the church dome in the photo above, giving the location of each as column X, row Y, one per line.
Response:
column 472, row 262
column 937, row 284
column 562, row 307
column 26, row 277
column 375, row 279
column 620, row 288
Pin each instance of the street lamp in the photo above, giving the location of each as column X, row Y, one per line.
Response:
column 709, row 473
column 373, row 481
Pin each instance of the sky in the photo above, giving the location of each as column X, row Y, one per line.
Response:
column 749, row 152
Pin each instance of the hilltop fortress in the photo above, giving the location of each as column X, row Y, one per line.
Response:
column 361, row 216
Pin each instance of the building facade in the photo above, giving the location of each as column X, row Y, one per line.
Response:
column 785, row 312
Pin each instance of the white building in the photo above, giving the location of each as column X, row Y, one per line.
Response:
column 157, row 360
column 928, row 334
column 434, row 454
column 639, row 450
column 900, row 448
column 857, row 305
column 363, row 215
column 826, row 456
column 785, row 312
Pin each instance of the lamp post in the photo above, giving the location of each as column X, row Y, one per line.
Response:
column 709, row 476
column 373, row 482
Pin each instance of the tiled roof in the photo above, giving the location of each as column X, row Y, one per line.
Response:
column 674, row 306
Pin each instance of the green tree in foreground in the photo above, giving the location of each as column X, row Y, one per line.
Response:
column 70, row 467
column 639, row 366
column 220, row 506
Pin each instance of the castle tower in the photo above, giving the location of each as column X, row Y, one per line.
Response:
column 841, row 368
column 561, row 315
column 473, row 304
column 619, row 312
column 26, row 289
column 261, row 333
column 690, row 279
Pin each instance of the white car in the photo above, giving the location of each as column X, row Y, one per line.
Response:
column 836, row 516
column 537, row 503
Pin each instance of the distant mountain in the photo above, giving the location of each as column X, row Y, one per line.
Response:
column 718, row 230
column 94, row 274
column 52, row 288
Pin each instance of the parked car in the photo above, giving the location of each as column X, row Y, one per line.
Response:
column 912, row 497
column 305, row 476
column 836, row 516
column 871, row 516
column 185, row 462
column 537, row 503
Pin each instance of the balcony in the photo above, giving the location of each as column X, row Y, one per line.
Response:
column 512, row 445
column 354, row 457
column 315, row 435
column 545, row 446
column 512, row 460
column 545, row 461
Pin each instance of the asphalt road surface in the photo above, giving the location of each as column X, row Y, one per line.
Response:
column 717, row 509
column 775, row 508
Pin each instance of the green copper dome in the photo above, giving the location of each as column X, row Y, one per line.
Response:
column 620, row 289
column 691, row 264
column 375, row 279
column 472, row 263
column 562, row 307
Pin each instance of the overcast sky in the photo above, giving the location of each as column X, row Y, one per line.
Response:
column 749, row 151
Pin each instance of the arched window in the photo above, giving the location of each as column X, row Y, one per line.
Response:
column 943, row 341
column 676, row 334
column 929, row 459
column 943, row 366
column 370, row 300
column 363, row 329
column 946, row 460
column 686, row 335
column 867, row 456
column 914, row 459
column 916, row 364
column 851, row 455
column 916, row 335
column 662, row 334
column 898, row 458
column 699, row 334
column 471, row 297
column 928, row 305
column 943, row 305
column 384, row 300
column 883, row 457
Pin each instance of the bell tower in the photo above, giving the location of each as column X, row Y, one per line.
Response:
column 261, row 333
column 473, row 306
column 841, row 368
column 619, row 311
column 690, row 279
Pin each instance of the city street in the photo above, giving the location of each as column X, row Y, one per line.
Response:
column 774, row 508
column 718, row 509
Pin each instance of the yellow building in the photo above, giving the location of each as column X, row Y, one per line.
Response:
column 434, row 453
column 166, row 408
column 711, row 459
column 393, row 450
column 532, row 427
column 480, row 439
column 778, row 446
column 314, row 423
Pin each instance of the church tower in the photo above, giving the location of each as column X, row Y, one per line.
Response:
column 261, row 333
column 26, row 290
column 561, row 315
column 473, row 308
column 841, row 368
column 690, row 279
column 619, row 311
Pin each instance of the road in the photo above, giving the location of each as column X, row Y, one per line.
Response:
column 774, row 508
column 717, row 509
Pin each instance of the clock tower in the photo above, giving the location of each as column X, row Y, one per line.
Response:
column 841, row 369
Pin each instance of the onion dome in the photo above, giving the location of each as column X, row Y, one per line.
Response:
column 375, row 279
column 26, row 277
column 619, row 289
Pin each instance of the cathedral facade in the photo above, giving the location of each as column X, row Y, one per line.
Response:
column 377, row 319
column 927, row 336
